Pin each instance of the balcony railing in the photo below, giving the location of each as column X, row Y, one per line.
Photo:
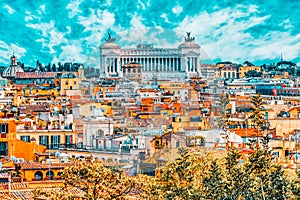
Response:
column 62, row 146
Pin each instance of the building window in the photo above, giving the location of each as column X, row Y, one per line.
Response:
column 55, row 141
column 69, row 141
column 4, row 130
column 67, row 83
column 44, row 140
column 3, row 149
column 25, row 138
column 92, row 108
column 75, row 82
column 38, row 175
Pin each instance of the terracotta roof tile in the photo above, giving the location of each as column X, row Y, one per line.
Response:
column 34, row 75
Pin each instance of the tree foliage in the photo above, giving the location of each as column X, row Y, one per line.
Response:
column 253, row 73
column 222, row 106
column 257, row 116
column 194, row 175
column 94, row 180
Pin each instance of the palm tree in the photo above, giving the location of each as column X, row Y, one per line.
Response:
column 257, row 116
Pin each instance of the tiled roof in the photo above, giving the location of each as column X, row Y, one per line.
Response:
column 34, row 75
column 26, row 194
column 34, row 108
column 44, row 166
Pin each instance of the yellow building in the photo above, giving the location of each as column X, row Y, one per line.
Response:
column 244, row 69
column 172, row 86
column 180, row 124
column 51, row 138
column 89, row 109
column 40, row 172
column 38, row 91
column 229, row 72
column 69, row 83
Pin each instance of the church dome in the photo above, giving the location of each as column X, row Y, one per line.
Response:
column 11, row 71
column 69, row 75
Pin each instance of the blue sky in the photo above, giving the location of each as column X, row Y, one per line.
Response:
column 229, row 30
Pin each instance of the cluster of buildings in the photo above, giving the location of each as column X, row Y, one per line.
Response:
column 146, row 103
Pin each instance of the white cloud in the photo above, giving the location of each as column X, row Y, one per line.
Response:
column 72, row 52
column 224, row 34
column 29, row 16
column 44, row 27
column 96, row 24
column 6, row 51
column 96, row 20
column 274, row 43
column 41, row 10
column 141, row 4
column 165, row 17
column 108, row 2
column 10, row 10
column 74, row 8
column 138, row 30
column 286, row 24
column 51, row 37
column 69, row 29
column 56, row 39
column 177, row 9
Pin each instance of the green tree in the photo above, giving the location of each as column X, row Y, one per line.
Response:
column 266, row 179
column 177, row 180
column 234, row 174
column 247, row 63
column 295, row 185
column 222, row 106
column 214, row 183
column 257, row 116
column 94, row 180
column 253, row 73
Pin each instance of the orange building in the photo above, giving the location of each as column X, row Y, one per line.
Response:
column 11, row 147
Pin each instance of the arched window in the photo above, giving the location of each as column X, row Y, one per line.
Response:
column 38, row 175
column 50, row 175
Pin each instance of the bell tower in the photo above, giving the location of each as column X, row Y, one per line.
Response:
column 13, row 60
